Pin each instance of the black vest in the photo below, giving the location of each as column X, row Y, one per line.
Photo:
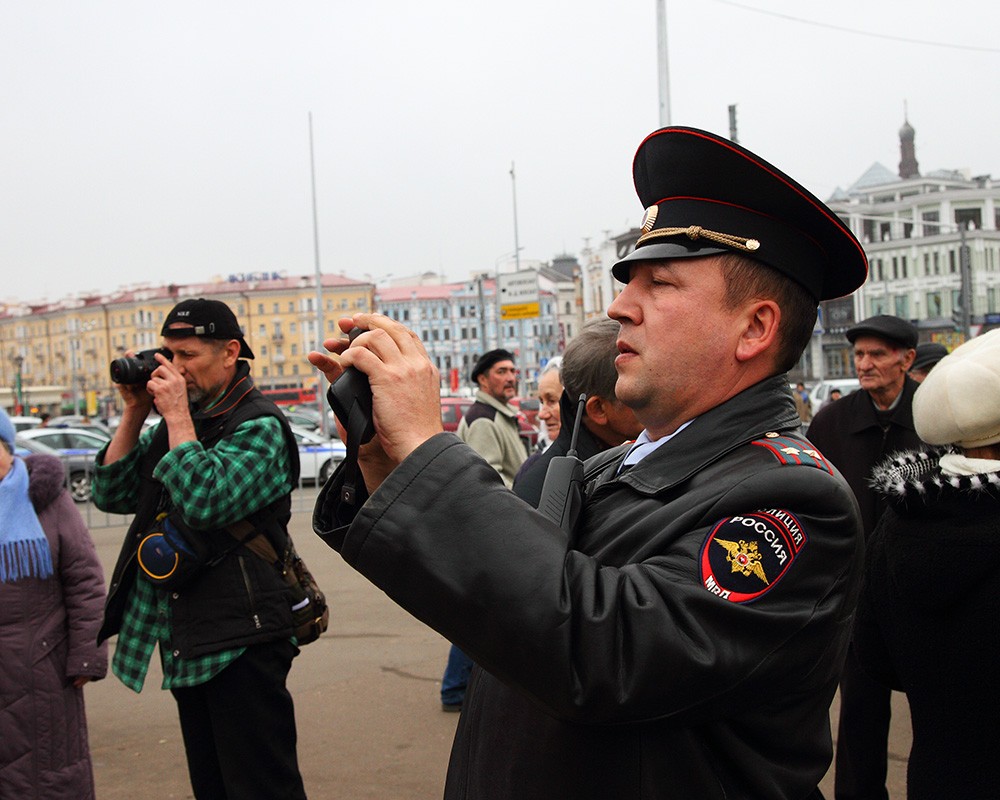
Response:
column 240, row 599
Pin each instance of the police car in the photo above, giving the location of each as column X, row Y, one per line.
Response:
column 318, row 456
column 79, row 468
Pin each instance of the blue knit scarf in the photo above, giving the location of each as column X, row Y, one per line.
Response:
column 24, row 550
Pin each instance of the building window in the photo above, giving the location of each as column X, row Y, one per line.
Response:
column 952, row 261
column 291, row 306
column 930, row 220
column 275, row 307
column 902, row 262
column 902, row 304
column 927, row 263
column 991, row 300
column 956, row 300
column 877, row 306
column 934, row 307
column 969, row 218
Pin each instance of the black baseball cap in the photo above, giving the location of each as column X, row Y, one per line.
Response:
column 207, row 319
column 487, row 360
column 885, row 326
column 705, row 195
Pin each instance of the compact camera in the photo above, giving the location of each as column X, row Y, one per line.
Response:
column 135, row 370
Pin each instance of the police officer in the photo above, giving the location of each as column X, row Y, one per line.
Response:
column 685, row 640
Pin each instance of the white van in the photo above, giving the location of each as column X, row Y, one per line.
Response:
column 819, row 395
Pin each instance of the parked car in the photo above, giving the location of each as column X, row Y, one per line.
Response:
column 528, row 406
column 819, row 395
column 25, row 423
column 318, row 456
column 79, row 468
column 454, row 408
column 69, row 441
column 78, row 421
column 309, row 419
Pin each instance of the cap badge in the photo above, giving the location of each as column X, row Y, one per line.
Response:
column 649, row 218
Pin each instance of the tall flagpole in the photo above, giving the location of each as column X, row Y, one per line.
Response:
column 662, row 62
column 320, row 378
column 517, row 245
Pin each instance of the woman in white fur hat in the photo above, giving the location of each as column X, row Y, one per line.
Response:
column 929, row 619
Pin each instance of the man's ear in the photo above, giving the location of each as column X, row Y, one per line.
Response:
column 760, row 331
column 233, row 348
column 908, row 357
column 595, row 409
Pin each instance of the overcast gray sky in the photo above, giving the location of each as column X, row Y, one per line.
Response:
column 145, row 141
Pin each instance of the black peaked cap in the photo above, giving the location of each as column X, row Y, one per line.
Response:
column 706, row 195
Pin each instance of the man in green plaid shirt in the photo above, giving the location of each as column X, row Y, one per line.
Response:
column 222, row 455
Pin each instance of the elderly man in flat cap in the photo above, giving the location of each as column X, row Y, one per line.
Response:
column 684, row 639
column 490, row 428
column 927, row 621
column 928, row 354
column 855, row 434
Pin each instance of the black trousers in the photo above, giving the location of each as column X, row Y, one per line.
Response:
column 862, row 736
column 239, row 729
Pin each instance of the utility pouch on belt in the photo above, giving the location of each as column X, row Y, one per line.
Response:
column 310, row 613
column 166, row 558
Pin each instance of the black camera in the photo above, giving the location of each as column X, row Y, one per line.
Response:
column 135, row 370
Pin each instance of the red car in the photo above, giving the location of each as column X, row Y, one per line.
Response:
column 454, row 408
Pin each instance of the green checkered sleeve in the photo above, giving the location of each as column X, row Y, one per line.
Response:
column 240, row 474
column 115, row 487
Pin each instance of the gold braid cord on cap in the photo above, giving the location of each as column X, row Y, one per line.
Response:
column 697, row 232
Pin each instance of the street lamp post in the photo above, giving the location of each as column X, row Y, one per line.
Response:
column 18, row 385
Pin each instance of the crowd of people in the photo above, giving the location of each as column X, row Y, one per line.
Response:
column 730, row 558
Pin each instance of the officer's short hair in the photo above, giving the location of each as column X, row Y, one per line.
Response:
column 747, row 279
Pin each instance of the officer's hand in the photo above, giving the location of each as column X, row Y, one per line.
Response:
column 406, row 401
column 329, row 364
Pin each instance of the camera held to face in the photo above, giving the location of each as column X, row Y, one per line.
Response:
column 135, row 370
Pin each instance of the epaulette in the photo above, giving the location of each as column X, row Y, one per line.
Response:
column 793, row 450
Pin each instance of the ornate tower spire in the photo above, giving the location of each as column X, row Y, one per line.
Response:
column 908, row 167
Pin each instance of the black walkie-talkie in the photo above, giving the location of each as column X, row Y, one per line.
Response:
column 562, row 496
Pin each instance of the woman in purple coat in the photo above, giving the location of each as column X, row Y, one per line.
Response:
column 51, row 601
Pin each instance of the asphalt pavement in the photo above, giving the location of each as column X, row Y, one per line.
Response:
column 366, row 700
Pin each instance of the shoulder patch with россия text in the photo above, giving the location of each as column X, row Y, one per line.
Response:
column 745, row 556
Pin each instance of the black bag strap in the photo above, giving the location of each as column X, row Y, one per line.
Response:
column 356, row 427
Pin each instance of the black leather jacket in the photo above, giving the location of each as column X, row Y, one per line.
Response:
column 685, row 643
